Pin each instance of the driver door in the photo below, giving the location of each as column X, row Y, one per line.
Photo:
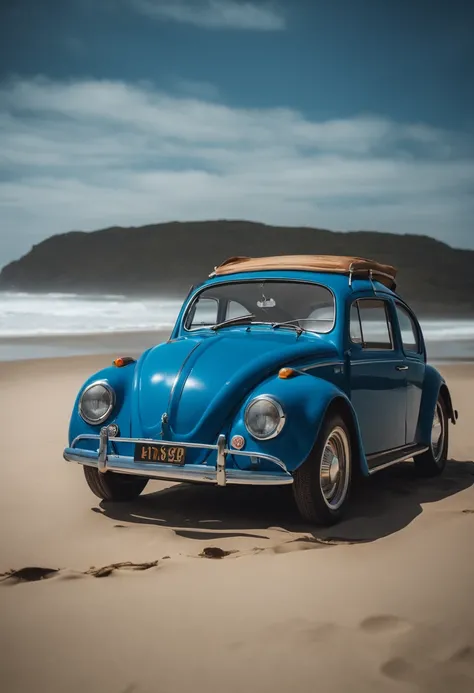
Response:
column 377, row 375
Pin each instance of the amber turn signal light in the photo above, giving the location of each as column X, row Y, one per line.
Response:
column 123, row 361
column 285, row 373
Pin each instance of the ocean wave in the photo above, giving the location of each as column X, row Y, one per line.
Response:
column 40, row 332
column 60, row 314
column 26, row 314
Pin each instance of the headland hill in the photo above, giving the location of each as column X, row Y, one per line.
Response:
column 167, row 258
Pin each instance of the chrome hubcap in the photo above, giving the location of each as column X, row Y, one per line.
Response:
column 437, row 433
column 334, row 470
column 334, row 474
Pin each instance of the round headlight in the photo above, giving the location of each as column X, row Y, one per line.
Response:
column 96, row 403
column 264, row 418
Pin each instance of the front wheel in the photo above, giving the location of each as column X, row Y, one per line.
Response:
column 112, row 486
column 433, row 461
column 322, row 483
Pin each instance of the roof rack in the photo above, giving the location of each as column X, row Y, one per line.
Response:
column 354, row 267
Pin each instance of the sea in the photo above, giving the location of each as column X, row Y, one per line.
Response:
column 59, row 324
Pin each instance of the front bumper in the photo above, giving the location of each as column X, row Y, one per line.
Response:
column 106, row 461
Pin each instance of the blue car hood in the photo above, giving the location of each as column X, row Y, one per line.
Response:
column 199, row 382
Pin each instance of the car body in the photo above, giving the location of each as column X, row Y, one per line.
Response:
column 311, row 400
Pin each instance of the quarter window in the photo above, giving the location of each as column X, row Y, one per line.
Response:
column 355, row 329
column 234, row 310
column 204, row 313
column 408, row 330
column 374, row 328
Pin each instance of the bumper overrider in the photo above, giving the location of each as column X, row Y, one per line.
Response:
column 107, row 461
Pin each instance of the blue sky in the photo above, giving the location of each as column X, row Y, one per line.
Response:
column 343, row 114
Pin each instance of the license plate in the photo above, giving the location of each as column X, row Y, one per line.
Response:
column 159, row 454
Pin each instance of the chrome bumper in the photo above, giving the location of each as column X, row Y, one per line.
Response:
column 199, row 473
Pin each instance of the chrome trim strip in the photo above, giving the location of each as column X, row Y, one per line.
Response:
column 365, row 362
column 150, row 441
column 396, row 461
column 268, row 458
column 319, row 364
column 391, row 450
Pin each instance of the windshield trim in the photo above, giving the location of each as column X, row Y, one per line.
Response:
column 205, row 286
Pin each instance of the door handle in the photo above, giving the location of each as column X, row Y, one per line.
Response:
column 401, row 368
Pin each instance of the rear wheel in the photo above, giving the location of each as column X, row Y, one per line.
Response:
column 322, row 483
column 112, row 486
column 433, row 461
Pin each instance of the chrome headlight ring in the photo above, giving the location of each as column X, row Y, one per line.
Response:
column 111, row 396
column 280, row 417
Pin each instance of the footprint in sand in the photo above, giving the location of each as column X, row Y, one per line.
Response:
column 431, row 676
column 385, row 623
column 435, row 659
column 310, row 543
column 319, row 633
column 397, row 669
column 215, row 552
column 28, row 574
column 35, row 573
column 464, row 654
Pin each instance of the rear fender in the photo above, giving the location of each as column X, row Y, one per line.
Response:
column 433, row 385
column 306, row 401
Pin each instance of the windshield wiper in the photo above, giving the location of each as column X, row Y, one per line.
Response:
column 240, row 320
column 289, row 324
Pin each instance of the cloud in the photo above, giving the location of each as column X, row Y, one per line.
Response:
column 199, row 90
column 88, row 154
column 214, row 14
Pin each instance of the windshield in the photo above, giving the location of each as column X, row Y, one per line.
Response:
column 310, row 306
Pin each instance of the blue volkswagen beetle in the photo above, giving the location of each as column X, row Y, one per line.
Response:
column 301, row 370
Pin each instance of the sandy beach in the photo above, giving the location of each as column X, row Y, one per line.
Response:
column 381, row 602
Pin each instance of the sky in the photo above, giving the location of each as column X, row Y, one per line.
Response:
column 339, row 114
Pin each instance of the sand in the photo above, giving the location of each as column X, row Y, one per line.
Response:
column 381, row 602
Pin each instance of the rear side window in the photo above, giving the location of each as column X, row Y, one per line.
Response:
column 374, row 330
column 408, row 329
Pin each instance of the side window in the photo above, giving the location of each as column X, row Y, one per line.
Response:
column 408, row 330
column 235, row 310
column 375, row 324
column 354, row 325
column 203, row 314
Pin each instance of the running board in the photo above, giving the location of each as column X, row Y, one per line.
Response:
column 381, row 460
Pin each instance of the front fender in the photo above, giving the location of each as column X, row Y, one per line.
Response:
column 433, row 384
column 305, row 400
column 120, row 379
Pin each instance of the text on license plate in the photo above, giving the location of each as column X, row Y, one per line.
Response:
column 164, row 454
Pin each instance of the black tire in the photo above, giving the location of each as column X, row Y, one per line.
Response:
column 433, row 461
column 314, row 503
column 112, row 486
